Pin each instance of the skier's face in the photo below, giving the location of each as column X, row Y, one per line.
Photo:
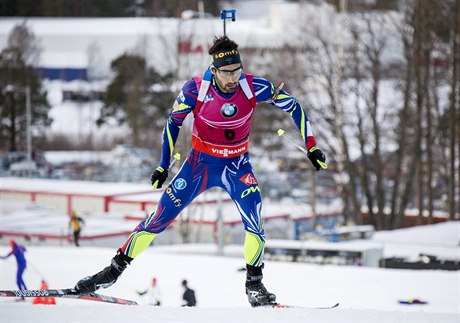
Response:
column 227, row 77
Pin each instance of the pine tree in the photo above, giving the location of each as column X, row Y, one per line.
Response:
column 17, row 72
column 137, row 96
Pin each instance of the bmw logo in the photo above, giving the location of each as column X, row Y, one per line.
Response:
column 180, row 184
column 229, row 110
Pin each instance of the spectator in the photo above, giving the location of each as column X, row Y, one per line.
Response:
column 75, row 224
column 152, row 293
column 189, row 295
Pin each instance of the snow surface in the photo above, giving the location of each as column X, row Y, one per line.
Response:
column 365, row 294
column 441, row 240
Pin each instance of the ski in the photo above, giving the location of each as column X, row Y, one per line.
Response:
column 65, row 293
column 278, row 305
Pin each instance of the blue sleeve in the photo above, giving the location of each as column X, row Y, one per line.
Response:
column 265, row 92
column 4, row 257
column 183, row 105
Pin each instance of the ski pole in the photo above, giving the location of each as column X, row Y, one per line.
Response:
column 282, row 133
column 29, row 264
column 176, row 157
column 226, row 14
column 36, row 270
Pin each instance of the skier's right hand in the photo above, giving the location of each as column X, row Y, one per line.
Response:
column 158, row 177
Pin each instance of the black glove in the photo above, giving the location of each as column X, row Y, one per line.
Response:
column 158, row 177
column 317, row 158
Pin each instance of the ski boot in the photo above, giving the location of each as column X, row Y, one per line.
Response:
column 255, row 289
column 106, row 277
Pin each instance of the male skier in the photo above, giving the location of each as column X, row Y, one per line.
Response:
column 222, row 101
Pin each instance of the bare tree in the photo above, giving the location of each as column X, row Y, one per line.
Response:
column 323, row 65
column 399, row 160
column 373, row 122
column 402, row 182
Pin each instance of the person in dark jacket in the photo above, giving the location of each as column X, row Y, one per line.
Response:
column 189, row 295
column 18, row 252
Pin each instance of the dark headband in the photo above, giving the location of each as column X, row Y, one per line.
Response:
column 225, row 57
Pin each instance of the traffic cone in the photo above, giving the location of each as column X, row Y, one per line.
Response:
column 44, row 300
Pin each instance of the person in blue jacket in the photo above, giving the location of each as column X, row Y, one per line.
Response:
column 18, row 251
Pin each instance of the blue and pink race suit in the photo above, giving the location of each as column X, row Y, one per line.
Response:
column 219, row 156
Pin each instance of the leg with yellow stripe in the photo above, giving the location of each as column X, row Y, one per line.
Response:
column 253, row 254
column 249, row 206
column 137, row 242
column 140, row 238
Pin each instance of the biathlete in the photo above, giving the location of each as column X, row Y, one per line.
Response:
column 222, row 101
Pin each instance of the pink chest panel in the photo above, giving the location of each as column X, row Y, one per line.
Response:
column 223, row 121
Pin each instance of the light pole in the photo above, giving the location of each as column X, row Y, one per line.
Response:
column 29, row 131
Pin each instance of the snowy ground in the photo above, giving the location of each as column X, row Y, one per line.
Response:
column 365, row 294
column 102, row 314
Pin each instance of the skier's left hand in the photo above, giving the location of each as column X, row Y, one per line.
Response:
column 317, row 158
column 158, row 177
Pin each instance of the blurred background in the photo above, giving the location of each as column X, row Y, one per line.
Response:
column 85, row 87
